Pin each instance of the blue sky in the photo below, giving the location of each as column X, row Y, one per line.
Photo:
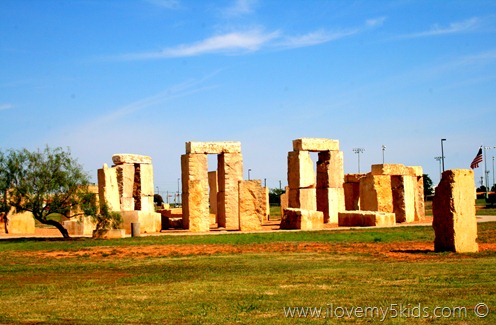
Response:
column 144, row 77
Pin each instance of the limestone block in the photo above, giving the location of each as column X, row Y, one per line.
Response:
column 391, row 169
column 266, row 204
column 376, row 193
column 108, row 188
column 83, row 227
column 315, row 144
column 305, row 198
column 301, row 173
column 404, row 195
column 419, row 199
column 353, row 178
column 351, row 196
column 366, row 219
column 330, row 201
column 213, row 190
column 330, row 170
column 110, row 234
column 146, row 178
column 195, row 206
column 453, row 207
column 21, row 223
column 416, row 171
column 194, row 167
column 213, row 147
column 150, row 222
column 302, row 219
column 284, row 200
column 251, row 208
column 147, row 203
column 230, row 169
column 125, row 179
column 127, row 204
column 124, row 158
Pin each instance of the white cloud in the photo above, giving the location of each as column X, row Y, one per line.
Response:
column 233, row 43
column 375, row 22
column 314, row 38
column 6, row 106
column 240, row 7
column 453, row 28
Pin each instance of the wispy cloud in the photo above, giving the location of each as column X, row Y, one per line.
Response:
column 242, row 42
column 231, row 43
column 240, row 7
column 6, row 106
column 467, row 25
column 167, row 4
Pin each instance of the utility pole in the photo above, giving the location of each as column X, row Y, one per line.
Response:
column 383, row 149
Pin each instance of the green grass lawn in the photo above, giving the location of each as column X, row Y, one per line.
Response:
column 246, row 288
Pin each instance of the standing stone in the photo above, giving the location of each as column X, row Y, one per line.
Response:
column 213, row 190
column 330, row 201
column 304, row 198
column 453, row 207
column 403, row 190
column 251, row 210
column 284, row 200
column 195, row 192
column 352, row 191
column 376, row 193
column 108, row 188
column 330, row 169
column 302, row 219
column 230, row 173
column 301, row 172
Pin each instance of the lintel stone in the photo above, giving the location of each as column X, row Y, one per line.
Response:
column 213, row 147
column 315, row 144
column 125, row 158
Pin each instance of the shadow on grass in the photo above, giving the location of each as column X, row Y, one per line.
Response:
column 414, row 251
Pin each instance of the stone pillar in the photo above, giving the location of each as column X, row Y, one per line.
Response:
column 251, row 208
column 352, row 191
column 194, row 168
column 301, row 181
column 230, row 173
column 453, row 207
column 376, row 193
column 403, row 190
column 108, row 189
column 213, row 190
column 330, row 179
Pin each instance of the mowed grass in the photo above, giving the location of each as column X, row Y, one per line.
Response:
column 247, row 288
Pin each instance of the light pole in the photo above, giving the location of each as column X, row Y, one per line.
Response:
column 358, row 151
column 383, row 149
column 249, row 170
column 440, row 171
column 493, row 172
column 486, row 172
column 442, row 152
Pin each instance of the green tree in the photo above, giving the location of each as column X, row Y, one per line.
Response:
column 428, row 189
column 45, row 183
column 274, row 194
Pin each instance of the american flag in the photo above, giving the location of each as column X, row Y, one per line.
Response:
column 477, row 159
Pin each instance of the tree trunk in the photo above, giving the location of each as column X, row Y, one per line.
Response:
column 57, row 225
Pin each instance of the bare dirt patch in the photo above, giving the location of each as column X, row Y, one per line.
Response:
column 409, row 251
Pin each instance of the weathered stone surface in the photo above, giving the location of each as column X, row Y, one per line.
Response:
column 82, row 227
column 284, row 200
column 453, row 207
column 251, row 208
column 127, row 204
column 305, row 198
column 302, row 219
column 195, row 206
column 147, row 203
column 125, row 180
column 392, row 170
column 146, row 179
column 376, row 193
column 352, row 191
column 125, row 158
column 213, row 190
column 108, row 188
column 109, row 234
column 21, row 223
column 403, row 190
column 366, row 219
column 230, row 169
column 419, row 199
column 416, row 170
column 330, row 170
column 194, row 167
column 266, row 204
column 330, row 201
column 150, row 222
column 213, row 147
column 301, row 173
column 315, row 144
